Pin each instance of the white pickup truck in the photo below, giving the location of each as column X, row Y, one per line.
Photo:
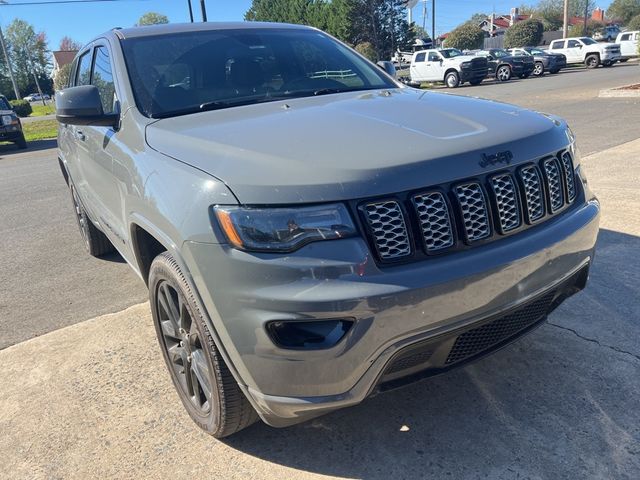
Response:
column 448, row 65
column 586, row 50
column 628, row 42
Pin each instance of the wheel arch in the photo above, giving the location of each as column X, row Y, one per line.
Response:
column 448, row 71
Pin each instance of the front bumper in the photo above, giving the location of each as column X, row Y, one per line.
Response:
column 394, row 308
column 10, row 134
column 469, row 74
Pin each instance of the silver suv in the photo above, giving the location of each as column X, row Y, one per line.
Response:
column 298, row 260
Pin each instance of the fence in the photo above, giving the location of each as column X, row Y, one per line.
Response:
column 498, row 40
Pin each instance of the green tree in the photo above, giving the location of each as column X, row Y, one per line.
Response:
column 634, row 23
column 623, row 10
column 152, row 18
column 466, row 37
column 367, row 50
column 29, row 56
column 551, row 12
column 525, row 33
column 62, row 77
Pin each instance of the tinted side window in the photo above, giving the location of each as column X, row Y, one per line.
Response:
column 573, row 44
column 557, row 45
column 83, row 74
column 103, row 79
column 420, row 57
column 626, row 36
column 434, row 57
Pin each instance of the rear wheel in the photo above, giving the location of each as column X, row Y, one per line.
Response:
column 96, row 243
column 202, row 379
column 538, row 69
column 592, row 61
column 452, row 79
column 503, row 74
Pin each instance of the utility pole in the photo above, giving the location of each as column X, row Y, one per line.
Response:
column 190, row 11
column 586, row 14
column 433, row 22
column 565, row 27
column 204, row 11
column 9, row 67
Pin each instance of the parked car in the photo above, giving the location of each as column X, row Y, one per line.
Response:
column 607, row 34
column 503, row 66
column 447, row 65
column 36, row 97
column 309, row 240
column 628, row 42
column 11, row 127
column 587, row 51
column 543, row 61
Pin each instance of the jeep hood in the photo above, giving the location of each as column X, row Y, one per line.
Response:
column 352, row 145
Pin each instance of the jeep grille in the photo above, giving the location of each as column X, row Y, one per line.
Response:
column 459, row 215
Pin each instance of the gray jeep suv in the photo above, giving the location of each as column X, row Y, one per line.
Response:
column 311, row 231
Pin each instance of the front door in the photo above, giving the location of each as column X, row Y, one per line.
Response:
column 419, row 71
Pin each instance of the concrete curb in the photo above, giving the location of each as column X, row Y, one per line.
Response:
column 619, row 92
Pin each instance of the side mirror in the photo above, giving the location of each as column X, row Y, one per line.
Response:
column 388, row 67
column 82, row 106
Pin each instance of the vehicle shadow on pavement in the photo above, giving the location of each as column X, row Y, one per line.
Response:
column 9, row 149
column 559, row 403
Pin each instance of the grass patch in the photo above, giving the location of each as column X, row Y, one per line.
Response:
column 40, row 110
column 40, row 130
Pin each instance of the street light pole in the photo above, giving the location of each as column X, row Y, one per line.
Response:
column 433, row 22
column 9, row 67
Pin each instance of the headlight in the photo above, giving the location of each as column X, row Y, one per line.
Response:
column 283, row 229
column 7, row 119
column 465, row 64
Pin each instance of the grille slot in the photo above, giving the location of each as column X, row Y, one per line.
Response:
column 506, row 196
column 474, row 211
column 389, row 229
column 569, row 176
column 435, row 220
column 479, row 339
column 554, row 183
column 533, row 194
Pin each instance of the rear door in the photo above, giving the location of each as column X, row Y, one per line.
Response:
column 418, row 69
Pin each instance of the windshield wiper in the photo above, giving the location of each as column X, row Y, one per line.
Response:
column 328, row 91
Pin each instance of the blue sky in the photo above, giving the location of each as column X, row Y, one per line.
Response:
column 83, row 21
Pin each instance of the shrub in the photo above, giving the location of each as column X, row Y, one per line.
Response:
column 525, row 33
column 467, row 36
column 21, row 107
column 634, row 23
column 366, row 49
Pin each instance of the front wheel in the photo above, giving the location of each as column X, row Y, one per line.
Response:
column 592, row 61
column 504, row 73
column 538, row 69
column 202, row 379
column 452, row 80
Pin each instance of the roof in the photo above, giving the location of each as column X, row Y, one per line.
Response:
column 63, row 57
column 151, row 30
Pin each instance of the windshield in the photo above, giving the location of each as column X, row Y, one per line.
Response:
column 187, row 72
column 4, row 104
column 588, row 41
column 451, row 52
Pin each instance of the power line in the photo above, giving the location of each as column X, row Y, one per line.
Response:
column 57, row 2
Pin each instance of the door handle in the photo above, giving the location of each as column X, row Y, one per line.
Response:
column 80, row 135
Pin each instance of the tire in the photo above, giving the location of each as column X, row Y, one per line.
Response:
column 452, row 80
column 623, row 60
column 95, row 242
column 475, row 83
column 538, row 69
column 592, row 61
column 21, row 143
column 224, row 410
column 503, row 73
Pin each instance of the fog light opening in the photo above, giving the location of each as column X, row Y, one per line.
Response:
column 308, row 335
